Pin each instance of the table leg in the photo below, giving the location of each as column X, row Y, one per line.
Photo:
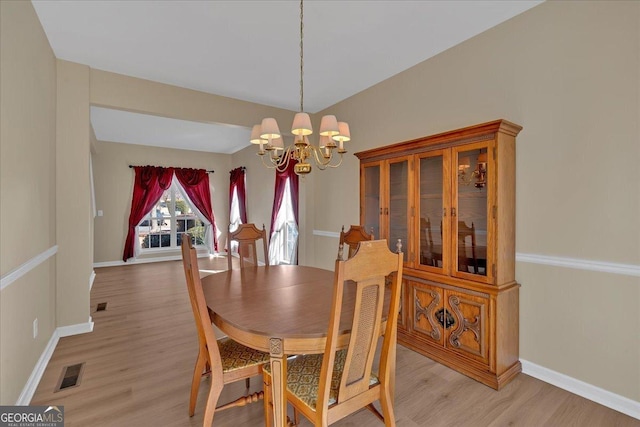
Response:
column 278, row 383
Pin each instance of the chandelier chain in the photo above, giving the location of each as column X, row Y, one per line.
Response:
column 301, row 59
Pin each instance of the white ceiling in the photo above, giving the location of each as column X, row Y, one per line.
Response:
column 249, row 50
column 133, row 128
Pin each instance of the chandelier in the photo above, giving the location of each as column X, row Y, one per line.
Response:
column 333, row 135
column 478, row 176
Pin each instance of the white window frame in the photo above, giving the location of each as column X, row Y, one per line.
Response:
column 283, row 244
column 234, row 218
column 172, row 219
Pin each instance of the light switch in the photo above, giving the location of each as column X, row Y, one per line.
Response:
column 100, row 213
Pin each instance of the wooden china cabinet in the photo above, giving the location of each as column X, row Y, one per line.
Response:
column 450, row 198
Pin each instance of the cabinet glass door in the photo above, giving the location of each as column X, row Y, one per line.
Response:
column 432, row 187
column 398, row 211
column 470, row 213
column 371, row 203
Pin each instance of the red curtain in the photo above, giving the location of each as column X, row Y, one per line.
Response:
column 237, row 181
column 150, row 182
column 196, row 184
column 281, row 181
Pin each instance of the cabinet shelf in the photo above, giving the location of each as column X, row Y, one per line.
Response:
column 472, row 195
column 434, row 196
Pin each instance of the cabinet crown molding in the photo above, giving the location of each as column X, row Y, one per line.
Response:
column 465, row 135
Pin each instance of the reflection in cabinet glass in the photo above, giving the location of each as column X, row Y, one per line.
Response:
column 398, row 205
column 471, row 211
column 371, row 202
column 451, row 199
column 431, row 189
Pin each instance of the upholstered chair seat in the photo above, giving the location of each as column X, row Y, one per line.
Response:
column 303, row 377
column 236, row 356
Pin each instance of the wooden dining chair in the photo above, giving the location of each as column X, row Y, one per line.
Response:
column 327, row 387
column 351, row 238
column 428, row 253
column 225, row 360
column 464, row 262
column 247, row 235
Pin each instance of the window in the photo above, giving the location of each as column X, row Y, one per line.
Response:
column 284, row 236
column 234, row 218
column 234, row 215
column 166, row 223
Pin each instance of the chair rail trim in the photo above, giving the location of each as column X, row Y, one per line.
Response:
column 581, row 264
column 556, row 261
column 23, row 269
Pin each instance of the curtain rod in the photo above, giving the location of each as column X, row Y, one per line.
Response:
column 132, row 166
column 239, row 167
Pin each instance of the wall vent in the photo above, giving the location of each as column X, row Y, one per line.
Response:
column 101, row 306
column 70, row 377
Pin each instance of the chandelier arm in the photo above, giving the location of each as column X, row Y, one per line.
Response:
column 319, row 156
column 328, row 165
column 321, row 162
column 279, row 165
column 337, row 164
column 268, row 166
column 287, row 159
column 283, row 163
column 467, row 178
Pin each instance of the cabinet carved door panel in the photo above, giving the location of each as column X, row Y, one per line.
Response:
column 428, row 302
column 469, row 334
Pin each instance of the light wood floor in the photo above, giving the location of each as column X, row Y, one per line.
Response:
column 140, row 356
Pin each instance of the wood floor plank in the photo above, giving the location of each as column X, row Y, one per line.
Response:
column 140, row 356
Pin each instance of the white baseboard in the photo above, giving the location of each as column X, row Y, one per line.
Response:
column 30, row 387
column 148, row 260
column 588, row 391
column 77, row 329
column 92, row 277
column 34, row 379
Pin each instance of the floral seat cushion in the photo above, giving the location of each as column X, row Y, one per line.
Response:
column 303, row 377
column 237, row 356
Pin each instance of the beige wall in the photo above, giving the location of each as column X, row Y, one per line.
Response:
column 568, row 72
column 27, row 188
column 114, row 188
column 260, row 186
column 143, row 96
column 73, row 194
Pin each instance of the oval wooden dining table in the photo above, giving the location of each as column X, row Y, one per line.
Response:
column 282, row 310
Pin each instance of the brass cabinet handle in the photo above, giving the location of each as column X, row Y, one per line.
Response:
column 453, row 211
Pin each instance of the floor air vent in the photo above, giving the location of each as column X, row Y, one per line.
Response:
column 101, row 306
column 70, row 377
